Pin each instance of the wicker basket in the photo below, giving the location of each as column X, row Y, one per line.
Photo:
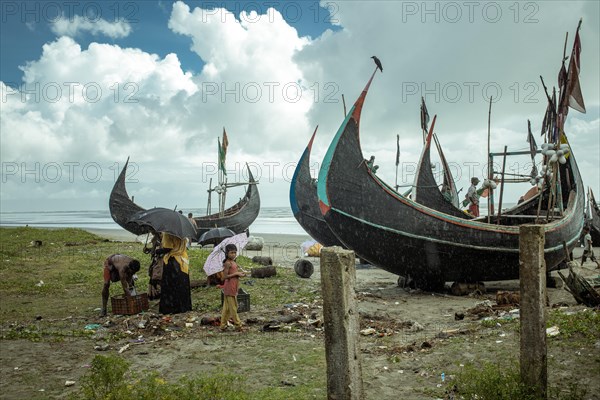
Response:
column 129, row 305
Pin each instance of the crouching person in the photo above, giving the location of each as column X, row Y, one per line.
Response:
column 119, row 267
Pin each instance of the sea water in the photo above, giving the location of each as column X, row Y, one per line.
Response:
column 270, row 220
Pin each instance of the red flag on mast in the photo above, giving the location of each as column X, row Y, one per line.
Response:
column 575, row 97
column 570, row 88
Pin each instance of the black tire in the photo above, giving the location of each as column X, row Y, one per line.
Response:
column 304, row 268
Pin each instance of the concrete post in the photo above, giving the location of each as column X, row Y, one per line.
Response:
column 340, row 314
column 532, row 275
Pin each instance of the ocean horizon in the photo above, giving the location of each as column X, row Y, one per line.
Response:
column 270, row 220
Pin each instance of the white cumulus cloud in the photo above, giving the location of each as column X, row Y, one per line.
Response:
column 77, row 24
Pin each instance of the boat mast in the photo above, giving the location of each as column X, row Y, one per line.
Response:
column 208, row 206
column 490, row 203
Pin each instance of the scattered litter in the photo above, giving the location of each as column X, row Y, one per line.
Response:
column 102, row 347
column 69, row 383
column 367, row 331
column 498, row 341
column 189, row 324
column 39, row 284
column 124, row 348
column 508, row 298
column 416, row 327
column 91, row 327
column 552, row 331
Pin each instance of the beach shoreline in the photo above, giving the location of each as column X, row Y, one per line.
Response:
column 284, row 249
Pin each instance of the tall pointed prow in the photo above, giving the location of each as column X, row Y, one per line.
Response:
column 430, row 246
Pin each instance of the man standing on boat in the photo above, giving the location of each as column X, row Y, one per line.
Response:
column 473, row 197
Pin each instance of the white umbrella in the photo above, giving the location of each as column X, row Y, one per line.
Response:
column 214, row 262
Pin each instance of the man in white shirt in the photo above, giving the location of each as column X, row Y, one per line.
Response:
column 588, row 251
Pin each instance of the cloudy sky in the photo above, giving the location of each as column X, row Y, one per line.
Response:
column 85, row 85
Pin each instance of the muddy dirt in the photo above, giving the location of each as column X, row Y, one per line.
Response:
column 410, row 339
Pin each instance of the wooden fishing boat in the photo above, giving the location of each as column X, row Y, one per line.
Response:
column 122, row 207
column 413, row 240
column 426, row 191
column 238, row 218
column 304, row 201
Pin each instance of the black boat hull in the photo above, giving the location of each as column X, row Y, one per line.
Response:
column 239, row 217
column 122, row 207
column 409, row 239
column 305, row 203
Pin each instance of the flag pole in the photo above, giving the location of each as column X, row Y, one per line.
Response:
column 502, row 185
column 423, row 120
column 565, row 48
column 344, row 103
column 397, row 158
column 208, row 206
column 490, row 204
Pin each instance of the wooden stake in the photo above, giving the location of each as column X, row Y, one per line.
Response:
column 532, row 277
column 340, row 314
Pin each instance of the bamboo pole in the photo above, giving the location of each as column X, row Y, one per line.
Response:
column 502, row 185
column 398, row 156
column 490, row 197
column 552, row 199
column 208, row 206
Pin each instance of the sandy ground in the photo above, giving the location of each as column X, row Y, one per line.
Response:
column 39, row 370
column 284, row 250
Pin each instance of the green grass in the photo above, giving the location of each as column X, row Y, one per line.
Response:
column 68, row 269
column 110, row 378
column 70, row 265
column 501, row 381
column 584, row 324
